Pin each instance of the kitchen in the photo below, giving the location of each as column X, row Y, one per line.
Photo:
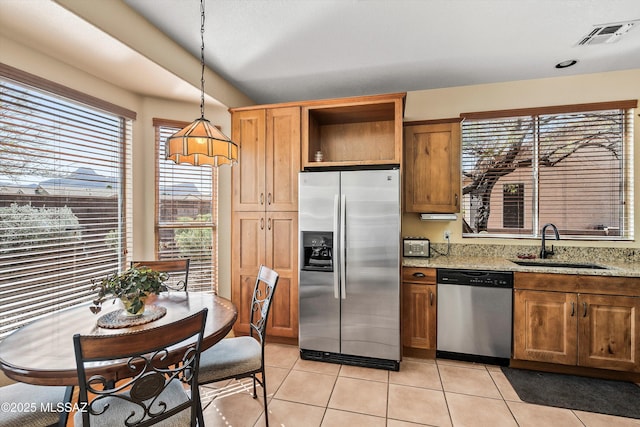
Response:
column 419, row 105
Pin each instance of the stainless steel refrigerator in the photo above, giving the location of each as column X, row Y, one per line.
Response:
column 349, row 283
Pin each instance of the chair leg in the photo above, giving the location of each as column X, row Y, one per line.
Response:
column 68, row 395
column 199, row 414
column 264, row 396
column 255, row 395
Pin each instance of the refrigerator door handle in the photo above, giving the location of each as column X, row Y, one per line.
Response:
column 343, row 247
column 336, row 270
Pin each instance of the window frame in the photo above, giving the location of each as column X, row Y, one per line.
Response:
column 627, row 192
column 68, row 281
column 158, row 124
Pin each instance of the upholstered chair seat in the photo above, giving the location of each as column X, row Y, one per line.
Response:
column 243, row 357
column 120, row 409
column 230, row 357
column 39, row 399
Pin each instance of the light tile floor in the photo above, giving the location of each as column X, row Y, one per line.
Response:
column 439, row 392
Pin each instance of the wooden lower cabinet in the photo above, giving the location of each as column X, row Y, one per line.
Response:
column 609, row 332
column 545, row 330
column 588, row 330
column 269, row 238
column 419, row 311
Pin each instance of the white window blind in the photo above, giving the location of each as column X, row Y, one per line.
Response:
column 186, row 209
column 64, row 193
column 570, row 166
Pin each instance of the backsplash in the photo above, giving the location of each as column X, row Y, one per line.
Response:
column 562, row 253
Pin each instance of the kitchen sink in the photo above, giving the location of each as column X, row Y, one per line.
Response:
column 553, row 264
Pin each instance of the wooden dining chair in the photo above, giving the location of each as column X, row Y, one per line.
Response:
column 243, row 357
column 150, row 386
column 177, row 270
column 35, row 406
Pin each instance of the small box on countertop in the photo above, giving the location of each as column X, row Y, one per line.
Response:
column 416, row 247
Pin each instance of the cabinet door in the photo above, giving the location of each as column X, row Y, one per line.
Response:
column 282, row 256
column 270, row 239
column 432, row 168
column 282, row 158
column 248, row 131
column 249, row 246
column 545, row 326
column 419, row 316
column 608, row 332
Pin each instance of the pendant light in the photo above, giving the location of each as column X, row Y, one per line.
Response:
column 201, row 143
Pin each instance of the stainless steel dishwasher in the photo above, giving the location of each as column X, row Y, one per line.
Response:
column 475, row 313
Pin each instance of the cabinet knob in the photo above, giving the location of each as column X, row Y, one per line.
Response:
column 584, row 306
column 261, row 223
column 573, row 308
column 262, row 198
column 431, row 298
column 418, row 274
column 269, row 199
column 269, row 224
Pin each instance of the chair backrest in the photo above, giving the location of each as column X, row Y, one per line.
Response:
column 261, row 301
column 138, row 378
column 177, row 270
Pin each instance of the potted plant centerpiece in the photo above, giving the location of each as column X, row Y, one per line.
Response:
column 132, row 286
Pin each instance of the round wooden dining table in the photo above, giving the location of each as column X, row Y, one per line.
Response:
column 42, row 352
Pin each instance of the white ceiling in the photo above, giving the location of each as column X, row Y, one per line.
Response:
column 286, row 50
column 283, row 50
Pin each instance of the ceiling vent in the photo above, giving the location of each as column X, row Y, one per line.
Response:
column 607, row 33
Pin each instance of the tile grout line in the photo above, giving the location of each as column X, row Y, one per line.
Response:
column 444, row 394
column 502, row 396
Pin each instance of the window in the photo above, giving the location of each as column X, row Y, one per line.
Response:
column 186, row 209
column 64, row 195
column 570, row 165
column 513, row 205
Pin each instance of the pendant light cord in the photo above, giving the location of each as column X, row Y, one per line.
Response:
column 202, row 59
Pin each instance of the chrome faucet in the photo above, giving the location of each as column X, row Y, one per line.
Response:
column 544, row 252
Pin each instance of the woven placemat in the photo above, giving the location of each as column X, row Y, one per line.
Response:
column 120, row 319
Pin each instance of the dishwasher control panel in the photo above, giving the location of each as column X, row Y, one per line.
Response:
column 493, row 279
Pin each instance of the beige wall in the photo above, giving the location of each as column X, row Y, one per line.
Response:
column 451, row 102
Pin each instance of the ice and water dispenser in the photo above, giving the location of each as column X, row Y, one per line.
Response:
column 318, row 250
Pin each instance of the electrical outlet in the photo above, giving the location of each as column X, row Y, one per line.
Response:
column 446, row 235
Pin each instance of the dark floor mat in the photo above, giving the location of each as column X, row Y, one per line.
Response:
column 573, row 392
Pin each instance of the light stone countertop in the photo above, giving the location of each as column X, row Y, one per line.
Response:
column 625, row 269
column 618, row 262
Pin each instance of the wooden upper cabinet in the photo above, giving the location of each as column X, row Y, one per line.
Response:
column 282, row 158
column 266, row 177
column 432, row 167
column 360, row 131
column 248, row 130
